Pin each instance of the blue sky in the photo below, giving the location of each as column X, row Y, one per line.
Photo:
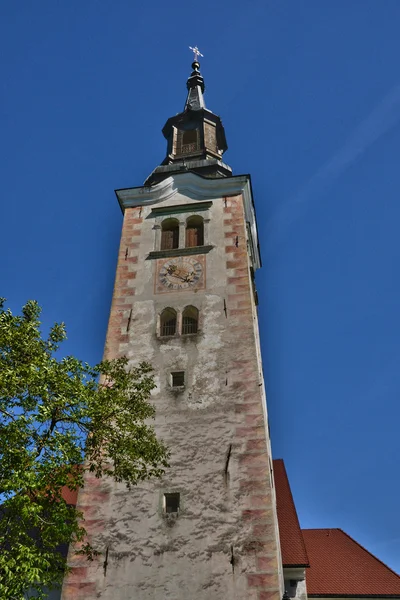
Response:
column 309, row 93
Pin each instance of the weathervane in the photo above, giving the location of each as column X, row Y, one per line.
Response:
column 196, row 52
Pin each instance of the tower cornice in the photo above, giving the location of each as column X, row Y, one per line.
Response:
column 198, row 188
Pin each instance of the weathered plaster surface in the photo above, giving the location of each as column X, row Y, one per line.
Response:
column 224, row 542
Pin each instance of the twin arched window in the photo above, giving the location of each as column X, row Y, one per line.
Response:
column 170, row 324
column 194, row 235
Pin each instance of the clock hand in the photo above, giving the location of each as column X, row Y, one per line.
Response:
column 174, row 272
column 186, row 278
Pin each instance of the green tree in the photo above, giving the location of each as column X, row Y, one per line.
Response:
column 56, row 414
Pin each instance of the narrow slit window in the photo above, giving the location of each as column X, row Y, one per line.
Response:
column 178, row 378
column 170, row 234
column 190, row 320
column 194, row 232
column 171, row 503
column 168, row 322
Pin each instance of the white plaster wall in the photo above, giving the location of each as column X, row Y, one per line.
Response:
column 150, row 556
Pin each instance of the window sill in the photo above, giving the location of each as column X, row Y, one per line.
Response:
column 179, row 252
column 167, row 338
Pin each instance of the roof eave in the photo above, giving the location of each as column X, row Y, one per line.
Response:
column 353, row 595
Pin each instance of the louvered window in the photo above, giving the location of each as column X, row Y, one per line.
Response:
column 190, row 141
column 170, row 234
column 194, row 232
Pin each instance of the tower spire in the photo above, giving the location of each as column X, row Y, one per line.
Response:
column 195, row 137
column 195, row 86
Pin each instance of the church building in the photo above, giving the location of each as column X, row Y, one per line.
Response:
column 185, row 301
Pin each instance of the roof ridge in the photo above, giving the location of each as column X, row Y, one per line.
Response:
column 368, row 552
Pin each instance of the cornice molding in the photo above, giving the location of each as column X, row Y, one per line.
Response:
column 179, row 209
column 189, row 184
column 179, row 252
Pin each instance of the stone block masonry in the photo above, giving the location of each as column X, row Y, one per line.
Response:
column 124, row 286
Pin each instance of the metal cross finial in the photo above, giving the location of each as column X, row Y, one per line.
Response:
column 196, row 52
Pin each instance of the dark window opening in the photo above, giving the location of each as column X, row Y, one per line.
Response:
column 190, row 320
column 171, row 503
column 170, row 234
column 194, row 232
column 189, row 141
column 168, row 322
column 178, row 379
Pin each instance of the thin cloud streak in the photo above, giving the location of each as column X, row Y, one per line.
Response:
column 384, row 116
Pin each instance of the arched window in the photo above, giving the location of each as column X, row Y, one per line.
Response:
column 194, row 232
column 190, row 320
column 169, row 234
column 168, row 322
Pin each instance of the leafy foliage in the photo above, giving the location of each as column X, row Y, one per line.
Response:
column 58, row 419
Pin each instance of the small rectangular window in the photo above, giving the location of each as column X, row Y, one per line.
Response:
column 171, row 503
column 178, row 379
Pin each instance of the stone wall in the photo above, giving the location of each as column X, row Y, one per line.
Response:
column 224, row 541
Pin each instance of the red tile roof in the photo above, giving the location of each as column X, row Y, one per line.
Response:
column 69, row 496
column 292, row 544
column 339, row 566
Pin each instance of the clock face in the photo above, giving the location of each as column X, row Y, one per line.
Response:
column 180, row 273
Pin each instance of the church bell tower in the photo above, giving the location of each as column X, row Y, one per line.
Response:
column 185, row 301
